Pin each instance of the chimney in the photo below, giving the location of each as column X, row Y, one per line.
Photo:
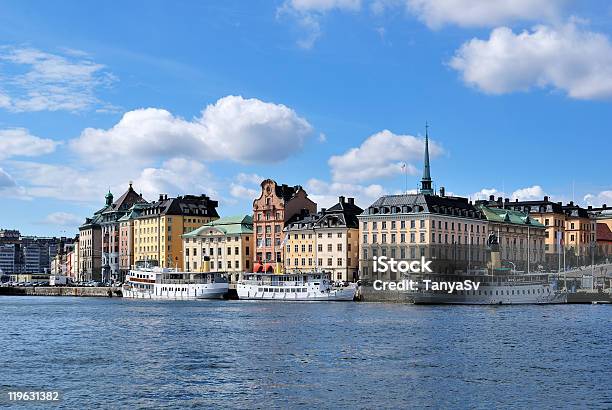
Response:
column 352, row 201
column 590, row 207
column 442, row 191
column 516, row 200
column 499, row 199
column 491, row 198
column 571, row 203
column 161, row 197
column 604, row 206
column 323, row 210
column 341, row 199
column 545, row 198
column 559, row 203
column 506, row 200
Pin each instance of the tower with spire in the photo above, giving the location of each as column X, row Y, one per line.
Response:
column 426, row 180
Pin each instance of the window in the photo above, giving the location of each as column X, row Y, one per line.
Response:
column 339, row 261
column 403, row 224
column 340, row 247
column 329, row 247
column 329, row 261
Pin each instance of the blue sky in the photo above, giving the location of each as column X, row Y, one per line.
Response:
column 209, row 97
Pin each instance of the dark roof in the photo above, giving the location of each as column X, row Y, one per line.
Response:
column 129, row 198
column 603, row 233
column 575, row 211
column 539, row 206
column 416, row 203
column 182, row 205
column 286, row 192
column 341, row 215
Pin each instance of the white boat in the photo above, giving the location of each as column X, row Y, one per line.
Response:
column 511, row 289
column 166, row 283
column 310, row 286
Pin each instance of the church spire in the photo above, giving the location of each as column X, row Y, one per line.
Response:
column 426, row 180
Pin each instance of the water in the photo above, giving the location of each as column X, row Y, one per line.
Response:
column 117, row 353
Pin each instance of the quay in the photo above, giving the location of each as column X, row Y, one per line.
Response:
column 369, row 294
column 60, row 291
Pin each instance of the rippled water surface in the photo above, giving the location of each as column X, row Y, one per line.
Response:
column 148, row 354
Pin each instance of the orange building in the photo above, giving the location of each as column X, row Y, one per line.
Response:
column 276, row 205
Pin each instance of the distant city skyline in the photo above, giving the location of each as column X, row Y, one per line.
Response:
column 213, row 98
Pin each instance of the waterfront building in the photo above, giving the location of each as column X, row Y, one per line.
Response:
column 126, row 238
column 276, row 205
column 326, row 241
column 449, row 231
column 110, row 226
column 570, row 232
column 31, row 254
column 159, row 228
column 580, row 232
column 7, row 258
column 521, row 237
column 90, row 246
column 548, row 213
column 222, row 245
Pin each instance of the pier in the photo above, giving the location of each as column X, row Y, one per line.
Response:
column 61, row 291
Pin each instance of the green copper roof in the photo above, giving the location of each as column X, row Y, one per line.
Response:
column 231, row 225
column 509, row 216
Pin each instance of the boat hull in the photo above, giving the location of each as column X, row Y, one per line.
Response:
column 250, row 292
column 182, row 292
column 494, row 295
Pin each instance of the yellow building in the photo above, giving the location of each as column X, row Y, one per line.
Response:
column 223, row 245
column 327, row 241
column 159, row 228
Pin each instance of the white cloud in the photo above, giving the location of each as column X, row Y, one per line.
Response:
column 254, row 179
column 6, row 181
column 176, row 176
column 308, row 13
column 566, row 58
column 323, row 5
column 380, row 156
column 485, row 193
column 483, row 13
column 63, row 219
column 326, row 194
column 531, row 193
column 40, row 81
column 240, row 191
column 597, row 200
column 18, row 141
column 234, row 128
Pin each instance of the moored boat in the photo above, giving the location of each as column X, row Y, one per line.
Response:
column 307, row 286
column 486, row 289
column 166, row 283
